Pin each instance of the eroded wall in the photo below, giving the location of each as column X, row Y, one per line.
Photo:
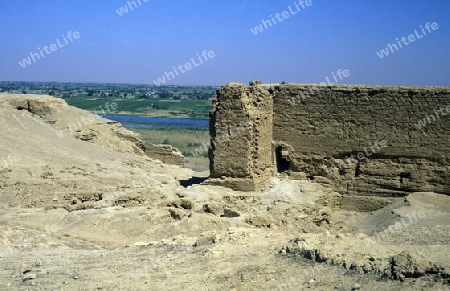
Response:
column 241, row 123
column 318, row 127
column 326, row 124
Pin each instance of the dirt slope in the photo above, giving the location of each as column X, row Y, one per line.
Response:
column 92, row 212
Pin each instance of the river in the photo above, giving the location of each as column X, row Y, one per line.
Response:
column 158, row 122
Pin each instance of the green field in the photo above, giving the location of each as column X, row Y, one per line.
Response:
column 190, row 142
column 145, row 107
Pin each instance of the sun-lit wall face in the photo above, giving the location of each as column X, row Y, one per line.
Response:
column 353, row 136
column 241, row 136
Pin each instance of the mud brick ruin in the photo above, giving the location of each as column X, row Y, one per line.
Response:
column 317, row 132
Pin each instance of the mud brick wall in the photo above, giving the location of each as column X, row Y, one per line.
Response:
column 330, row 123
column 241, row 123
column 318, row 127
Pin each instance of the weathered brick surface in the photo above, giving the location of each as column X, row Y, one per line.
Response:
column 241, row 137
column 318, row 126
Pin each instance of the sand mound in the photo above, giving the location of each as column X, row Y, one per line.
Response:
column 54, row 155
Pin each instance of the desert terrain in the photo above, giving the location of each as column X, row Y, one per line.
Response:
column 82, row 207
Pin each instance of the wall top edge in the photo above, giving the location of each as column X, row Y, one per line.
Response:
column 334, row 86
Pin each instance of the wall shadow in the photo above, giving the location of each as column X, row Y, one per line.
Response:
column 193, row 181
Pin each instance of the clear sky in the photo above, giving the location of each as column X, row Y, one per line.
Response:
column 307, row 46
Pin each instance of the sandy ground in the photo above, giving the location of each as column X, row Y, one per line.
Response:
column 79, row 215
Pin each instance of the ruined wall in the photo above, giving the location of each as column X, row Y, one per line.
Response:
column 319, row 127
column 326, row 124
column 241, row 123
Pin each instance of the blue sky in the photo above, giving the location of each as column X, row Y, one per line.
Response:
column 143, row 44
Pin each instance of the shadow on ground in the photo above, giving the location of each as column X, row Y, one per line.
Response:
column 193, row 181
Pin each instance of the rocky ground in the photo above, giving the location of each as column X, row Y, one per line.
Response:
column 89, row 210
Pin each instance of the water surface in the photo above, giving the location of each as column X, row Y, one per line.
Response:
column 158, row 122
